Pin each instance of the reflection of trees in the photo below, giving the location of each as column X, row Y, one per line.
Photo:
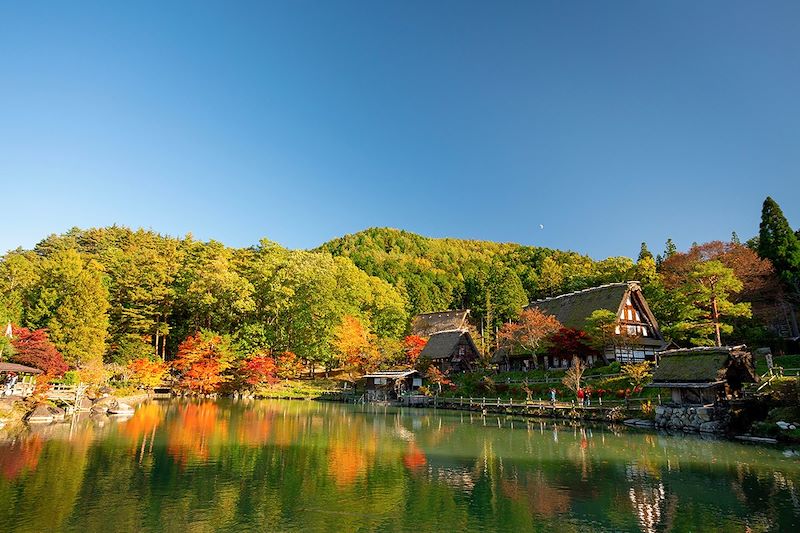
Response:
column 19, row 455
column 328, row 467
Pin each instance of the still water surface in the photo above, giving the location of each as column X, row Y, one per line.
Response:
column 308, row 466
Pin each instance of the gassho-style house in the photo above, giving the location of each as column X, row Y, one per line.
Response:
column 635, row 324
column 450, row 346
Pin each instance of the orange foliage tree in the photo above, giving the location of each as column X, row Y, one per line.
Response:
column 259, row 370
column 147, row 373
column 356, row 347
column 289, row 365
column 529, row 333
column 438, row 378
column 202, row 362
column 412, row 347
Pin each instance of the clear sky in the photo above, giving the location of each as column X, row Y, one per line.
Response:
column 609, row 123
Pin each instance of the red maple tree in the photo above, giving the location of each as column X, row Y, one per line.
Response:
column 412, row 347
column 34, row 348
column 259, row 370
column 202, row 361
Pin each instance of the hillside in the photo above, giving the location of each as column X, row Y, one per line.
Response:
column 446, row 273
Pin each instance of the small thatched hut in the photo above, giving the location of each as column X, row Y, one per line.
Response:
column 703, row 375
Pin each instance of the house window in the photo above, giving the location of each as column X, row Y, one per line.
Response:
column 462, row 350
column 380, row 381
column 417, row 382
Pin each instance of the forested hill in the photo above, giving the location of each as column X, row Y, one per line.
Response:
column 450, row 273
column 117, row 294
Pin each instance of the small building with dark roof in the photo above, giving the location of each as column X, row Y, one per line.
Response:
column 391, row 384
column 703, row 375
column 635, row 322
column 17, row 380
column 451, row 351
column 427, row 324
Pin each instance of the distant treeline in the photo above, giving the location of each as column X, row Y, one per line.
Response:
column 119, row 294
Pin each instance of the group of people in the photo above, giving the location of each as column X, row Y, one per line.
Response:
column 584, row 396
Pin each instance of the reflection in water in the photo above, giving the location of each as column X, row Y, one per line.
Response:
column 307, row 466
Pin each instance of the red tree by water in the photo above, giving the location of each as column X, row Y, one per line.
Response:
column 33, row 348
column 202, row 361
column 259, row 370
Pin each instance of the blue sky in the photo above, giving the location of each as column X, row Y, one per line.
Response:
column 609, row 123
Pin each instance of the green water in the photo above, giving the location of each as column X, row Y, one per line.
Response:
column 309, row 466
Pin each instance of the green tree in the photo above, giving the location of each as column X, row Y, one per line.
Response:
column 706, row 304
column 644, row 253
column 70, row 299
column 778, row 243
column 670, row 249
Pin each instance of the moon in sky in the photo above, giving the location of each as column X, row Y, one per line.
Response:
column 541, row 226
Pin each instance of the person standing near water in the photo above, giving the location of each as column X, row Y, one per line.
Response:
column 552, row 396
column 580, row 396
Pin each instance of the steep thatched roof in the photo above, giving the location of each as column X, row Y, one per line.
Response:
column 574, row 308
column 703, row 365
column 442, row 345
column 428, row 324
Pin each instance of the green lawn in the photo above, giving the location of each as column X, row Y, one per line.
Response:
column 785, row 361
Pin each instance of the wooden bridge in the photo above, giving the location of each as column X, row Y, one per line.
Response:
column 69, row 395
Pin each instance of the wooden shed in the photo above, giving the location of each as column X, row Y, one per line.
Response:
column 17, row 380
column 390, row 384
column 703, row 375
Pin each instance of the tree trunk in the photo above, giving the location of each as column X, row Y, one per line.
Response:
column 715, row 318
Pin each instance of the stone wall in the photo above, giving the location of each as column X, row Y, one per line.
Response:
column 690, row 418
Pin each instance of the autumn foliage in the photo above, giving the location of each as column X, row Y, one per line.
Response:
column 356, row 346
column 412, row 347
column 202, row 362
column 569, row 342
column 259, row 370
column 529, row 332
column 33, row 348
column 147, row 373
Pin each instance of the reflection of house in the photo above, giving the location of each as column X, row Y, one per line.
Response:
column 428, row 324
column 389, row 384
column 451, row 351
column 701, row 375
column 17, row 380
column 638, row 335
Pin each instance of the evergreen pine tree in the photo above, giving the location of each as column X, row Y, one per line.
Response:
column 670, row 249
column 735, row 238
column 644, row 253
column 778, row 243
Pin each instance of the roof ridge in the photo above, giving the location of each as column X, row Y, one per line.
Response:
column 588, row 289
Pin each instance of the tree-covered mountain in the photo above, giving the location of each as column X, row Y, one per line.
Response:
column 116, row 294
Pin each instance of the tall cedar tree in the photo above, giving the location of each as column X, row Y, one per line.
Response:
column 33, row 348
column 778, row 243
column 529, row 333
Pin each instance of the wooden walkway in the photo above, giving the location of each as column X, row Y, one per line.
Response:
column 598, row 409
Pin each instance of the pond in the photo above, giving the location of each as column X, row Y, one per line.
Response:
column 312, row 466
